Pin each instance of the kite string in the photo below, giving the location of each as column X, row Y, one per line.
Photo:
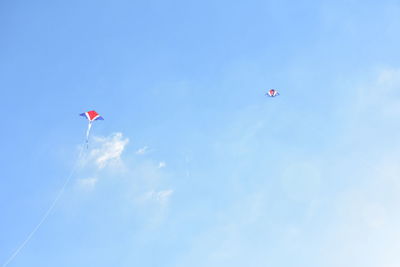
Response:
column 49, row 210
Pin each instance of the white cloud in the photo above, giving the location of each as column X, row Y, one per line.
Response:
column 109, row 149
column 390, row 78
column 161, row 197
column 146, row 174
column 162, row 164
column 142, row 151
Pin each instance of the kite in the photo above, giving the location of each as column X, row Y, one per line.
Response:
column 272, row 93
column 91, row 116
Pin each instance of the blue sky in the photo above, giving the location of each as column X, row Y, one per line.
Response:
column 193, row 165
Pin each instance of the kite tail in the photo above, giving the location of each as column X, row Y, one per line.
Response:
column 48, row 211
column 87, row 134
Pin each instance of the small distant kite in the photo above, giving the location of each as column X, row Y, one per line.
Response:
column 91, row 116
column 272, row 93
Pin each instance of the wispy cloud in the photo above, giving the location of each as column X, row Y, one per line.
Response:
column 140, row 178
column 109, row 149
column 162, row 164
column 87, row 183
column 161, row 197
column 142, row 151
column 381, row 95
column 364, row 226
column 363, row 229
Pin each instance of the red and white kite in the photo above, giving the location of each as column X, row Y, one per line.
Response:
column 272, row 93
column 91, row 116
